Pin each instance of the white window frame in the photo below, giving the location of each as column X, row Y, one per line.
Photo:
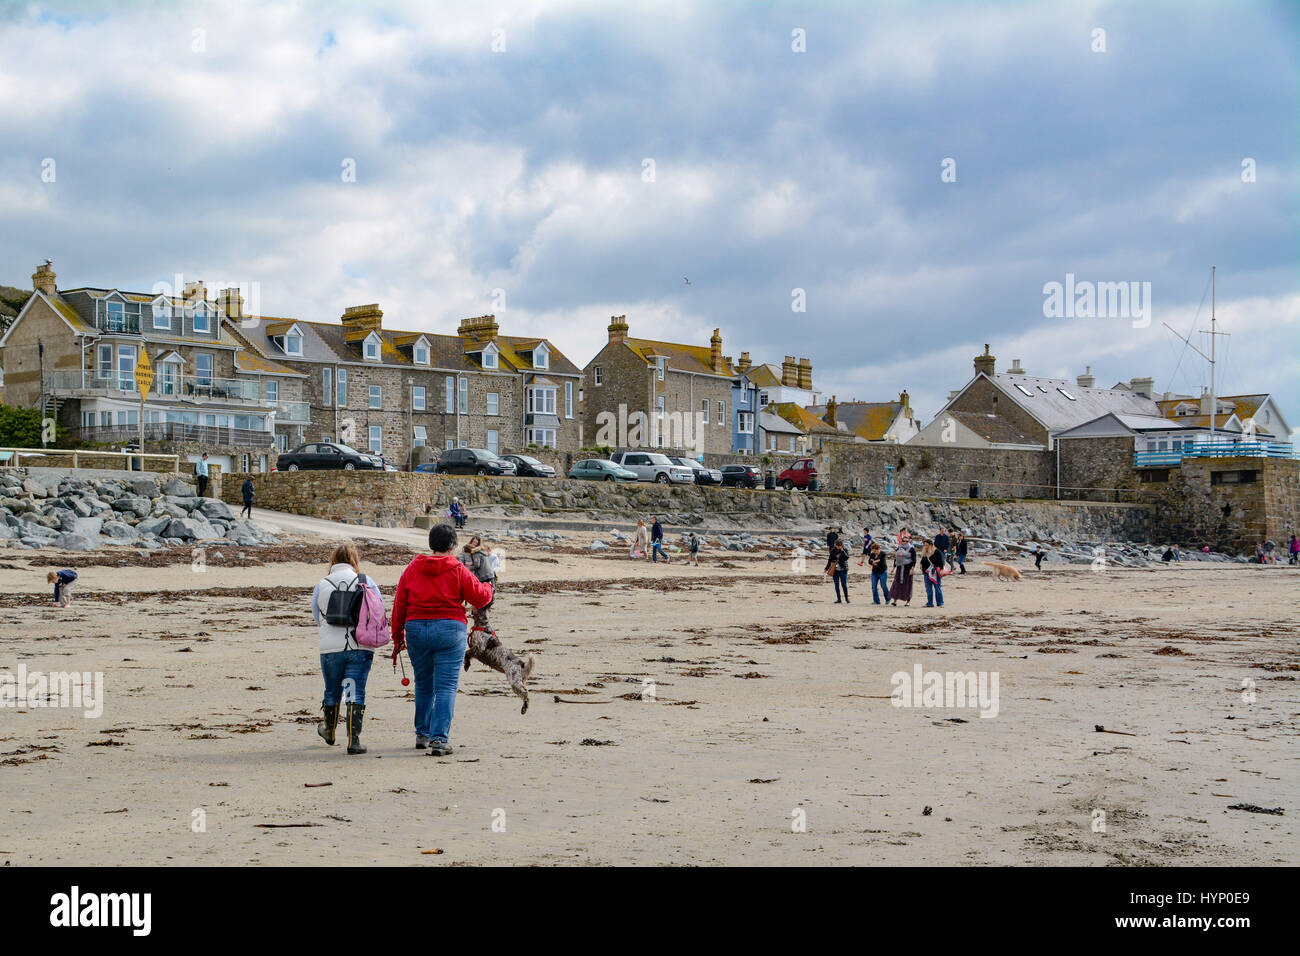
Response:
column 419, row 400
column 376, row 400
column 162, row 310
column 541, row 399
column 490, row 356
column 463, row 386
column 327, row 385
column 541, row 356
column 341, row 388
column 494, row 441
column 704, row 407
column 746, row 422
column 661, row 367
column 597, row 375
column 372, row 341
column 289, row 337
column 545, row 437
column 568, row 399
column 493, row 403
column 375, row 442
column 722, row 414
column 420, row 354
column 198, row 370
column 449, row 387
column 420, row 437
column 272, row 391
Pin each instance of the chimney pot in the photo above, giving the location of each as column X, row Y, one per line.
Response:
column 43, row 279
column 617, row 329
column 985, row 363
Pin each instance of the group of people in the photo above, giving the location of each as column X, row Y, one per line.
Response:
column 937, row 557
column 428, row 622
column 648, row 543
column 1266, row 552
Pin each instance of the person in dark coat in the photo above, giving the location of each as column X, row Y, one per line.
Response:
column 247, row 490
column 904, row 565
column 837, row 566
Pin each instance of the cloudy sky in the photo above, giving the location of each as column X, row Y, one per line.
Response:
column 560, row 162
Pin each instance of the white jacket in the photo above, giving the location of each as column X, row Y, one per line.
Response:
column 332, row 637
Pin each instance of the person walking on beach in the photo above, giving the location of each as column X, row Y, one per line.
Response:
column 961, row 547
column 942, row 544
column 344, row 664
column 247, row 490
column 641, row 542
column 63, row 582
column 904, row 565
column 832, row 535
column 657, row 540
column 867, row 542
column 837, row 566
column 1038, row 555
column 931, row 573
column 695, row 549
column 429, row 623
column 879, row 573
column 201, row 475
column 1295, row 550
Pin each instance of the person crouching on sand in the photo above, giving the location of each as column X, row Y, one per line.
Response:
column 429, row 622
column 344, row 664
column 63, row 582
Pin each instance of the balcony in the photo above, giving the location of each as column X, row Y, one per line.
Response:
column 1223, row 449
column 198, row 389
column 213, row 435
column 293, row 413
column 229, row 389
column 118, row 324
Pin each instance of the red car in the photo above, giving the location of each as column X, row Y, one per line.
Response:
column 798, row 475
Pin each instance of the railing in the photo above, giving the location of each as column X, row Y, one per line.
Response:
column 203, row 388
column 175, row 431
column 1224, row 449
column 227, row 388
column 75, row 458
column 121, row 324
column 292, row 413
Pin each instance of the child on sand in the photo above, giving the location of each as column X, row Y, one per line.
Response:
column 63, row 582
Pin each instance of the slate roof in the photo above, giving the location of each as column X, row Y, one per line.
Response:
column 994, row 428
column 1048, row 403
column 681, row 358
column 869, row 420
column 775, row 423
column 805, row 420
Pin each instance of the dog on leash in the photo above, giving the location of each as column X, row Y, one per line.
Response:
column 1003, row 571
column 485, row 646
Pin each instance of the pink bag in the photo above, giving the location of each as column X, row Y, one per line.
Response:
column 373, row 629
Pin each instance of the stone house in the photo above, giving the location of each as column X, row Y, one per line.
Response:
column 75, row 354
column 648, row 393
column 408, row 395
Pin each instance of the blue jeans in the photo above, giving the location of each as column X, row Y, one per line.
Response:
column 658, row 549
column 340, row 666
column 880, row 579
column 841, row 581
column 933, row 591
column 437, row 650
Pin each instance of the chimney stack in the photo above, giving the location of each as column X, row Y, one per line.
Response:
column 805, row 374
column 479, row 327
column 984, row 363
column 195, row 291
column 368, row 317
column 789, row 372
column 1087, row 379
column 830, row 413
column 745, row 364
column 617, row 329
column 715, row 352
column 1146, row 387
column 43, row 278
column 1015, row 368
column 905, row 400
column 231, row 302
column 1207, row 408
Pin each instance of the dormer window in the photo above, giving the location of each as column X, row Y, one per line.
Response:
column 541, row 356
column 421, row 352
column 371, row 347
column 293, row 344
column 490, row 356
column 201, row 319
column 162, row 315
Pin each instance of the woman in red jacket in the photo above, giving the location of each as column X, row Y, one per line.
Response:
column 429, row 623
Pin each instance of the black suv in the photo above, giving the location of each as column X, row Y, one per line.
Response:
column 326, row 455
column 742, row 476
column 473, row 461
column 529, row 467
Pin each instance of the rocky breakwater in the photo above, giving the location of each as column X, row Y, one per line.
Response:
column 49, row 509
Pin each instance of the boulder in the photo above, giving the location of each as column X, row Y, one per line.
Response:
column 598, row 546
column 34, row 488
column 120, row 530
column 144, row 487
column 190, row 529
column 75, row 524
column 137, row 506
column 154, row 526
column 71, row 541
column 212, row 508
column 177, row 488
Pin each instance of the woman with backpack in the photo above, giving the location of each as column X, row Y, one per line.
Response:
column 344, row 663
column 429, row 622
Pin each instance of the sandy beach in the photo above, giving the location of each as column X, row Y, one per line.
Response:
column 680, row 715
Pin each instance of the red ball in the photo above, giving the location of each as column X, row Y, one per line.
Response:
column 406, row 681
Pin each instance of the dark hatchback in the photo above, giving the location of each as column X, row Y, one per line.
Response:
column 327, row 456
column 526, row 467
column 742, row 476
column 473, row 461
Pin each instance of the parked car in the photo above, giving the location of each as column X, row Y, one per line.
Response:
column 703, row 476
column 428, row 468
column 798, row 475
column 652, row 466
column 742, row 476
column 600, row 469
column 327, row 456
column 526, row 467
column 473, row 461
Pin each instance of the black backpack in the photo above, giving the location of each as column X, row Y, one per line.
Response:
column 343, row 609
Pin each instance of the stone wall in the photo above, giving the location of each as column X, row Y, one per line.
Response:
column 1098, row 464
column 396, row 499
column 939, row 470
column 1199, row 509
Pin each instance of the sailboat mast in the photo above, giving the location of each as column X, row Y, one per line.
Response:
column 1214, row 405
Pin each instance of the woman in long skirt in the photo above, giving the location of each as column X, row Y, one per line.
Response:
column 904, row 565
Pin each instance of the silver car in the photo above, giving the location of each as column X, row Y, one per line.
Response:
column 652, row 466
column 703, row 476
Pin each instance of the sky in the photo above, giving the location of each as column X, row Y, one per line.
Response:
column 882, row 188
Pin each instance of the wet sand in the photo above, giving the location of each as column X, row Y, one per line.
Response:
column 771, row 704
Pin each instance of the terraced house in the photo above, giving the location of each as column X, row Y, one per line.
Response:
column 407, row 395
column 679, row 389
column 75, row 353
